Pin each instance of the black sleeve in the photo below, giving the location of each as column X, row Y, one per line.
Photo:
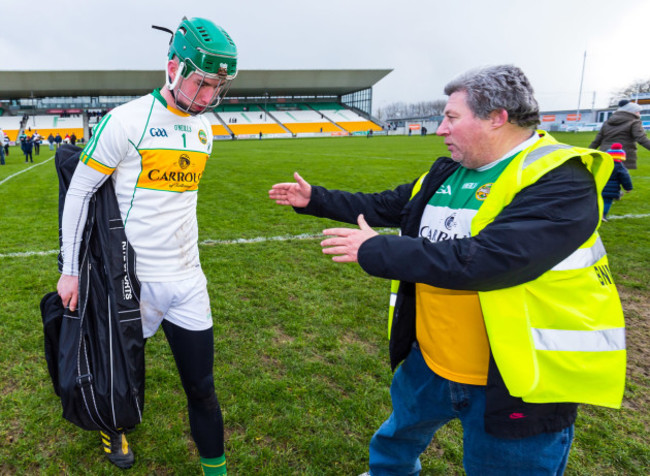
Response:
column 543, row 224
column 379, row 209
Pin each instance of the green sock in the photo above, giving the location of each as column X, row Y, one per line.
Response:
column 214, row 466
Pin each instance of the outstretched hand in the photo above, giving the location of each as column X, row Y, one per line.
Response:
column 347, row 241
column 297, row 194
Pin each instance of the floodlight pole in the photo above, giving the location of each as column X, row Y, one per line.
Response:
column 582, row 77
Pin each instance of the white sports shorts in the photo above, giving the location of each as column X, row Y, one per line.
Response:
column 185, row 303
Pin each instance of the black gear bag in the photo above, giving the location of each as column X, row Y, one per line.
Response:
column 95, row 355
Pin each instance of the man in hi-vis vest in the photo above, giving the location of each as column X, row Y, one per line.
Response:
column 503, row 312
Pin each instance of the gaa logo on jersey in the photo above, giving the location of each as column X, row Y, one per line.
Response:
column 203, row 137
column 184, row 161
column 483, row 191
column 158, row 132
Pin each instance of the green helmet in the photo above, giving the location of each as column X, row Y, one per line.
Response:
column 204, row 46
column 204, row 49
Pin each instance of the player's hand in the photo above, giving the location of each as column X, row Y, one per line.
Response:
column 68, row 289
column 297, row 194
column 347, row 241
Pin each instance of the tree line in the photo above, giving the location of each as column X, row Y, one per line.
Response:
column 397, row 110
column 630, row 92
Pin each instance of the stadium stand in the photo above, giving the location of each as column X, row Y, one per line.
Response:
column 248, row 120
column 349, row 120
column 273, row 103
column 284, row 119
column 301, row 119
column 10, row 126
column 326, row 106
column 54, row 124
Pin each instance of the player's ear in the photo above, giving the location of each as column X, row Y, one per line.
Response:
column 172, row 69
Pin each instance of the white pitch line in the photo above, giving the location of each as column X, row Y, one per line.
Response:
column 25, row 170
column 619, row 217
column 26, row 254
column 239, row 241
column 265, row 239
column 259, row 239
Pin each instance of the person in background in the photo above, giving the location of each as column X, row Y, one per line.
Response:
column 36, row 138
column 57, row 140
column 620, row 178
column 27, row 144
column 2, row 147
column 202, row 62
column 624, row 127
column 50, row 140
column 503, row 312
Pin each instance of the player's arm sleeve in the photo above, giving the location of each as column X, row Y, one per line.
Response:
column 83, row 185
column 107, row 147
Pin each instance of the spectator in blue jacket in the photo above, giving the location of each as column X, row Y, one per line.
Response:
column 27, row 144
column 620, row 178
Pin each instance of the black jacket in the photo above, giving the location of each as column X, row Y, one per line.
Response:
column 95, row 355
column 544, row 224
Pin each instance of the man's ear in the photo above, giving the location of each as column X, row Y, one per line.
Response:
column 172, row 70
column 498, row 118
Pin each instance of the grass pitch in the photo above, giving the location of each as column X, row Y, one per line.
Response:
column 301, row 368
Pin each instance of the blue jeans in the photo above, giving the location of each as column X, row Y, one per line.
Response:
column 423, row 402
column 607, row 204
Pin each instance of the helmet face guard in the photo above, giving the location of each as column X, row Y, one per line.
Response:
column 207, row 57
column 187, row 97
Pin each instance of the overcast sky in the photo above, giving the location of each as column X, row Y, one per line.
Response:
column 426, row 43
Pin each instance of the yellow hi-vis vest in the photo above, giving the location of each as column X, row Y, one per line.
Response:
column 560, row 337
column 394, row 284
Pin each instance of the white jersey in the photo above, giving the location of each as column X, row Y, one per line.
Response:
column 156, row 156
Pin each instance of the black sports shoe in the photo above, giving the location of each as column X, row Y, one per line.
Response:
column 117, row 450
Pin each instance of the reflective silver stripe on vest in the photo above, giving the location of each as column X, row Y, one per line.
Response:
column 579, row 341
column 393, row 299
column 537, row 154
column 582, row 257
